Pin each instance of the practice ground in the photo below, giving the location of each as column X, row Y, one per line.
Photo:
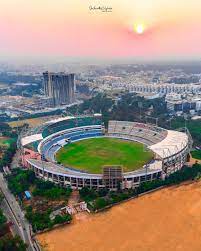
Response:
column 166, row 220
column 5, row 141
column 196, row 154
column 33, row 122
column 92, row 154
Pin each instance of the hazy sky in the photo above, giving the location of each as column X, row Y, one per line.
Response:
column 68, row 28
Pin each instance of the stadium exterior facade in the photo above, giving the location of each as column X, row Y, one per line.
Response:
column 170, row 150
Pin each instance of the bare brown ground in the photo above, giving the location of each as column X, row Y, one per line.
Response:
column 194, row 161
column 166, row 220
column 32, row 122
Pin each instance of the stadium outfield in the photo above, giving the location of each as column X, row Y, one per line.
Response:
column 170, row 150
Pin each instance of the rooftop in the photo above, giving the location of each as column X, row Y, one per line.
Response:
column 30, row 139
column 173, row 143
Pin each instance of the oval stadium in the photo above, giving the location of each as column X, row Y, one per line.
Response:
column 81, row 151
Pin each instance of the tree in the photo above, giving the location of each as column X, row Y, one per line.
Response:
column 100, row 203
column 4, row 127
column 3, row 219
column 1, row 197
column 8, row 243
column 88, row 194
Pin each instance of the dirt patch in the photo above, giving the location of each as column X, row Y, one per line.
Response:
column 41, row 204
column 194, row 161
column 33, row 122
column 168, row 220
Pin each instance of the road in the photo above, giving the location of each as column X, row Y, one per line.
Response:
column 10, row 217
column 13, row 211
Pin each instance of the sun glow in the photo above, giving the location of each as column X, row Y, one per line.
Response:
column 139, row 28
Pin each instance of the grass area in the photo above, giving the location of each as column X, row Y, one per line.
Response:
column 196, row 154
column 192, row 125
column 92, row 154
column 4, row 141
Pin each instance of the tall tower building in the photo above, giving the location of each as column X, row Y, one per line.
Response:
column 59, row 87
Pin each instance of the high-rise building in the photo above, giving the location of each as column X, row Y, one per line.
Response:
column 59, row 87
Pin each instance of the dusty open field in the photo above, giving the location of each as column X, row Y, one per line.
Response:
column 167, row 220
column 32, row 122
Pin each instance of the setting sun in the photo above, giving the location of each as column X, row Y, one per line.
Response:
column 139, row 28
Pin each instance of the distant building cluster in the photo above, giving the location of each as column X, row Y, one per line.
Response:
column 24, row 95
column 179, row 103
column 164, row 88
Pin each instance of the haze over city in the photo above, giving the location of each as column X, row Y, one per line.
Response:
column 67, row 30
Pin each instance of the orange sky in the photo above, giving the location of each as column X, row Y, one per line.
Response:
column 68, row 28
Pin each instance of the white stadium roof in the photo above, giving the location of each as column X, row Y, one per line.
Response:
column 70, row 117
column 173, row 143
column 29, row 139
column 59, row 119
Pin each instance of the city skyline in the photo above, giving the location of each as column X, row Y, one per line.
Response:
column 137, row 30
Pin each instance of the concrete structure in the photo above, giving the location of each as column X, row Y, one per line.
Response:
column 59, row 87
column 183, row 103
column 164, row 88
column 170, row 150
column 198, row 104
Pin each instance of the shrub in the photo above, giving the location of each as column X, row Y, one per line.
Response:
column 88, row 194
column 100, row 203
